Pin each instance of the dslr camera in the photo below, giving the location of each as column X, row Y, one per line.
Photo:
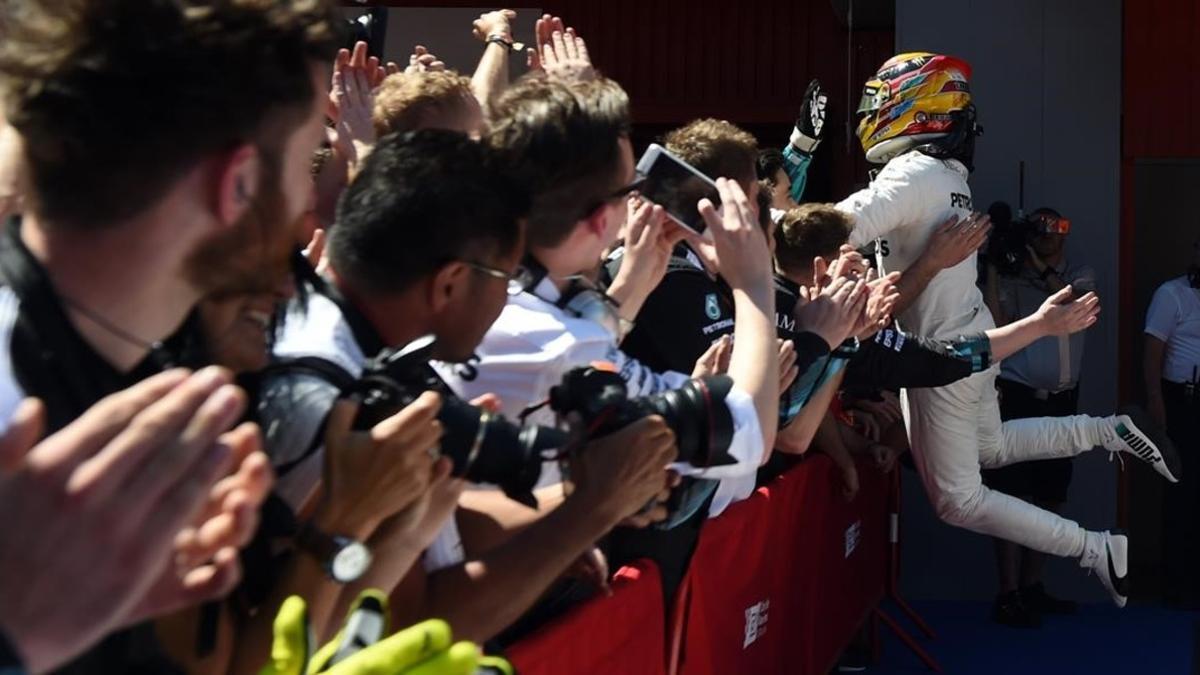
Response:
column 1007, row 245
column 484, row 447
column 596, row 398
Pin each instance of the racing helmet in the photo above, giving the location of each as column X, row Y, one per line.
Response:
column 914, row 99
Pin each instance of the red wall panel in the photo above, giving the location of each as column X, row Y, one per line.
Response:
column 1161, row 60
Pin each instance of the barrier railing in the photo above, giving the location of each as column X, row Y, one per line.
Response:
column 623, row 633
column 779, row 583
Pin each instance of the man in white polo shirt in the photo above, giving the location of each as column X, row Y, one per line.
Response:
column 1172, row 361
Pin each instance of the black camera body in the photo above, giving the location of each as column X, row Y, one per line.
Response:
column 1007, row 247
column 696, row 412
column 484, row 447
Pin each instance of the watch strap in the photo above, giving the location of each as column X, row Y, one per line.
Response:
column 317, row 544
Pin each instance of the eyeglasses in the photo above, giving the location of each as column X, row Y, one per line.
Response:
column 619, row 193
column 518, row 280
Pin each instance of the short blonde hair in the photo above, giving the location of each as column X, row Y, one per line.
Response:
column 405, row 98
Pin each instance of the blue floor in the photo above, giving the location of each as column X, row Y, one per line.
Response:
column 1097, row 641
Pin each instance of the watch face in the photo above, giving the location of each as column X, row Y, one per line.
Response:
column 350, row 562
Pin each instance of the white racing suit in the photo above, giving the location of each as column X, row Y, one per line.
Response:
column 955, row 430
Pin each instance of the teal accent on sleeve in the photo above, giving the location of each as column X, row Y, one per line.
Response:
column 796, row 165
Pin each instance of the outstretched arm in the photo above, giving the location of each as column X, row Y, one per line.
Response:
column 494, row 29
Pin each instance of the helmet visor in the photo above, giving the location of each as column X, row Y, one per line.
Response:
column 873, row 96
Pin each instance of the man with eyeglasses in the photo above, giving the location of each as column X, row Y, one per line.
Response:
column 569, row 143
column 427, row 242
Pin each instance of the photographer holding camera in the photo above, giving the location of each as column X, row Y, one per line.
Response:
column 1027, row 263
column 427, row 241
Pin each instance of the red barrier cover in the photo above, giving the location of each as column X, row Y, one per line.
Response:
column 620, row 634
column 844, row 544
column 780, row 582
column 731, row 625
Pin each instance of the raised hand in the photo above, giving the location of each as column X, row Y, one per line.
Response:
column 421, row 61
column 101, row 504
column 649, row 237
column 956, row 240
column 741, row 247
column 810, row 123
column 715, row 359
column 494, row 23
column 882, row 297
column 561, row 53
column 833, row 311
column 205, row 560
column 1061, row 314
column 351, row 93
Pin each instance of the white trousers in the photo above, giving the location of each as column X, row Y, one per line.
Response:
column 956, row 430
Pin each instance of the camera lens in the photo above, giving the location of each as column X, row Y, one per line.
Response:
column 697, row 413
column 487, row 448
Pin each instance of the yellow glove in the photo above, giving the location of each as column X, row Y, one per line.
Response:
column 424, row 649
column 410, row 652
column 290, row 650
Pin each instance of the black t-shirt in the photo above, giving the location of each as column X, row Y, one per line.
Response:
column 49, row 359
column 682, row 317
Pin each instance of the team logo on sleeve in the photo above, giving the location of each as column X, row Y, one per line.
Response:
column 711, row 307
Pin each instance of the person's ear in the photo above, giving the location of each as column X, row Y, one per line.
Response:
column 594, row 222
column 238, row 172
column 820, row 270
column 448, row 283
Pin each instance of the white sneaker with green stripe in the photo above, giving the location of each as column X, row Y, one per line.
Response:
column 1133, row 432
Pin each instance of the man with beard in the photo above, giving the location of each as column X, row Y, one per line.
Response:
column 102, row 274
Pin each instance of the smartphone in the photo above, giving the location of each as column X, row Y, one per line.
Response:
column 676, row 186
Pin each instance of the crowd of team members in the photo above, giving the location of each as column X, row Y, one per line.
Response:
column 169, row 161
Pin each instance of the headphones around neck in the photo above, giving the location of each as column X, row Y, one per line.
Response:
column 581, row 298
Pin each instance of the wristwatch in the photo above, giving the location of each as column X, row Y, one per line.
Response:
column 506, row 42
column 343, row 558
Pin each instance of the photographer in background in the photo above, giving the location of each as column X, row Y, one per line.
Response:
column 1172, row 378
column 1027, row 263
column 427, row 243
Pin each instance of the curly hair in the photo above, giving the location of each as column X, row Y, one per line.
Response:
column 405, row 98
column 717, row 149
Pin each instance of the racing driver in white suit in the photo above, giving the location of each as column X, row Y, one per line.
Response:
column 918, row 119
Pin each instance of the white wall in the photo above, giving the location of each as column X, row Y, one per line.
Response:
column 1047, row 82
